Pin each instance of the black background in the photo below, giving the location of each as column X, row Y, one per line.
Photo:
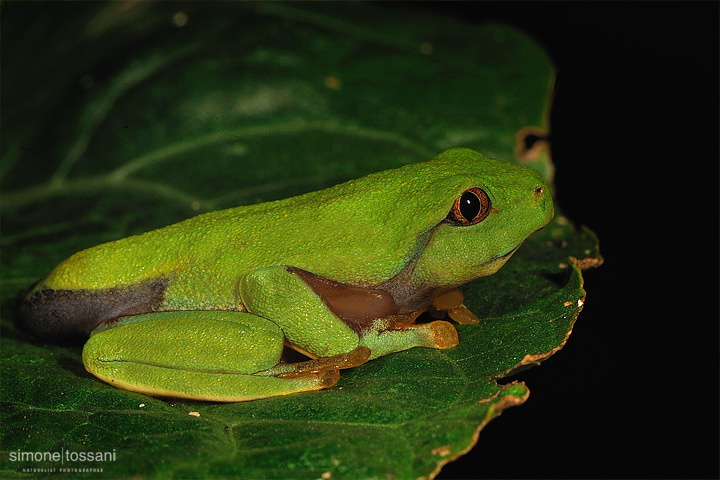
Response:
column 634, row 128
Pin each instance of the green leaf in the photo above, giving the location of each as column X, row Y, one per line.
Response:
column 134, row 116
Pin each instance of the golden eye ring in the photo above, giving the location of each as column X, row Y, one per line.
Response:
column 472, row 207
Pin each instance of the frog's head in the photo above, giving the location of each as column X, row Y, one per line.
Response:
column 439, row 223
column 486, row 210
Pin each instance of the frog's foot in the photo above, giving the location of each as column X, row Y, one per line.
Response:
column 351, row 359
column 438, row 334
column 442, row 335
column 451, row 301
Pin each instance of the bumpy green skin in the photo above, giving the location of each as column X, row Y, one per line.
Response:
column 230, row 268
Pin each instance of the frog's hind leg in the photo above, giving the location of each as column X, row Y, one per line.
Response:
column 354, row 358
column 162, row 382
column 206, row 355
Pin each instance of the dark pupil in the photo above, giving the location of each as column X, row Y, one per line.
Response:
column 469, row 205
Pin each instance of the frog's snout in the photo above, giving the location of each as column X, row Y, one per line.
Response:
column 542, row 199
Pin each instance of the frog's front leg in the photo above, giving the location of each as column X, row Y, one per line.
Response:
column 323, row 318
column 205, row 355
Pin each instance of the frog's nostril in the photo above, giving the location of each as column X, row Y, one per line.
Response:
column 542, row 200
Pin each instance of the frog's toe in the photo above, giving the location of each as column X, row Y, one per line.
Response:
column 327, row 378
column 463, row 315
column 443, row 334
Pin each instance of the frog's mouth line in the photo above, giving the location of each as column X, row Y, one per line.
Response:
column 507, row 255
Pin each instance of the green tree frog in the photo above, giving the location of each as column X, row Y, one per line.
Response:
column 203, row 309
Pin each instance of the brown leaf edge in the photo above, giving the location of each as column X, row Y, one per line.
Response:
column 539, row 149
column 531, row 360
column 526, row 362
column 494, row 411
column 587, row 263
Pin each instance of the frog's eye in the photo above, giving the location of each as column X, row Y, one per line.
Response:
column 470, row 208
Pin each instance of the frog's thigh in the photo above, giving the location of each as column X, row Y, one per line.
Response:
column 208, row 355
column 307, row 322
